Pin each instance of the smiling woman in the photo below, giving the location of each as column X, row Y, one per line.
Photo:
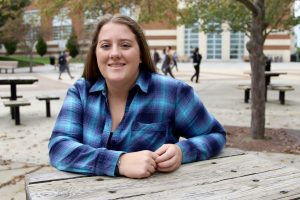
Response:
column 122, row 118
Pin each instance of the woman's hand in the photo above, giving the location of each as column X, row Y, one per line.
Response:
column 139, row 164
column 169, row 159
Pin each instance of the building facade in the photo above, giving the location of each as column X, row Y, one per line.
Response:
column 213, row 46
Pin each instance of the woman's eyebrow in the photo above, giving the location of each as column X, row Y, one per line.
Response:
column 104, row 40
column 127, row 40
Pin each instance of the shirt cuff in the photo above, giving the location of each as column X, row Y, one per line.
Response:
column 107, row 162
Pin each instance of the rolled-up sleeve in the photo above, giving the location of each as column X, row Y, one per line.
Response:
column 205, row 136
column 66, row 149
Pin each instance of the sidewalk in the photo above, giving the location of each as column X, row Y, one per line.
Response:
column 23, row 148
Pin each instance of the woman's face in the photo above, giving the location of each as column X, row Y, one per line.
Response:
column 118, row 54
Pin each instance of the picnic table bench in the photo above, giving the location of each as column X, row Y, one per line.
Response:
column 278, row 87
column 282, row 89
column 8, row 65
column 15, row 104
column 8, row 97
column 232, row 175
column 47, row 99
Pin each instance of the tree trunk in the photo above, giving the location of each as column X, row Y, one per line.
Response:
column 30, row 61
column 257, row 61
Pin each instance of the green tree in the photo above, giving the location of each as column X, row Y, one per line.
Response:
column 10, row 11
column 41, row 46
column 72, row 45
column 10, row 47
column 257, row 19
column 9, row 36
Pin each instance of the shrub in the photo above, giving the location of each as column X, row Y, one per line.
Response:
column 10, row 47
column 41, row 46
column 72, row 45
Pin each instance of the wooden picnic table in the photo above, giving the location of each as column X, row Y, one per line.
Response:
column 14, row 81
column 231, row 175
column 268, row 76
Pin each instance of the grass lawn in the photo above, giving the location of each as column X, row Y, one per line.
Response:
column 24, row 60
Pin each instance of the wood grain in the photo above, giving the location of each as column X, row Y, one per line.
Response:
column 235, row 176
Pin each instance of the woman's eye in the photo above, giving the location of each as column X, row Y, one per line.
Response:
column 104, row 46
column 126, row 45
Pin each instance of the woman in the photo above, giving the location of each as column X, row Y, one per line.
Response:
column 197, row 57
column 123, row 118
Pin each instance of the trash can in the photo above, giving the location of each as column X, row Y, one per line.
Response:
column 293, row 58
column 52, row 60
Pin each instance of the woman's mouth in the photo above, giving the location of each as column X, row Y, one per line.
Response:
column 116, row 65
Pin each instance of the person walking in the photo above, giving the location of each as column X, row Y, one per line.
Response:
column 166, row 66
column 197, row 57
column 156, row 57
column 175, row 58
column 63, row 62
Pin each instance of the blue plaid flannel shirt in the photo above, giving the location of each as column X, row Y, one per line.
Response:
column 159, row 110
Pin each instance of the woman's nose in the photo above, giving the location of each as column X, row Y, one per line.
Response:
column 115, row 52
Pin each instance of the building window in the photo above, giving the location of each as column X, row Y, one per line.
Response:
column 61, row 32
column 91, row 19
column 33, row 19
column 191, row 39
column 214, row 46
column 236, row 45
column 130, row 11
column 62, row 25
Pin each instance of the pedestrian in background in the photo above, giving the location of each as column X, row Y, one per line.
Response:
column 167, row 61
column 197, row 57
column 63, row 61
column 156, row 57
column 175, row 59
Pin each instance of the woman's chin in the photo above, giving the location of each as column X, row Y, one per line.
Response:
column 116, row 79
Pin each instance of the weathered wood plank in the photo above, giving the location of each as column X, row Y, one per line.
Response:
column 233, row 176
column 14, row 103
column 281, row 183
column 229, row 152
column 58, row 175
column 47, row 97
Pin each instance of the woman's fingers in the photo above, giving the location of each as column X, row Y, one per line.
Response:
column 170, row 159
column 139, row 164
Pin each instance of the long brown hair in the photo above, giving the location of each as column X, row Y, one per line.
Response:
column 91, row 71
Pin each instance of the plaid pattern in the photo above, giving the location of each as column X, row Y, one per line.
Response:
column 159, row 110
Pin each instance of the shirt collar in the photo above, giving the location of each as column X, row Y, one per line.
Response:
column 142, row 82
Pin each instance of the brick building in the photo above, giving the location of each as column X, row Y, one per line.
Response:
column 213, row 46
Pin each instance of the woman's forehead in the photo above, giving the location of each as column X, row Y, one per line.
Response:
column 113, row 30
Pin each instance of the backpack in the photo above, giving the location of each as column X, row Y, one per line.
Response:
column 61, row 60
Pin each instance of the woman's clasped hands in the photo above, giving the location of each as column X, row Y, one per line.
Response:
column 143, row 164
